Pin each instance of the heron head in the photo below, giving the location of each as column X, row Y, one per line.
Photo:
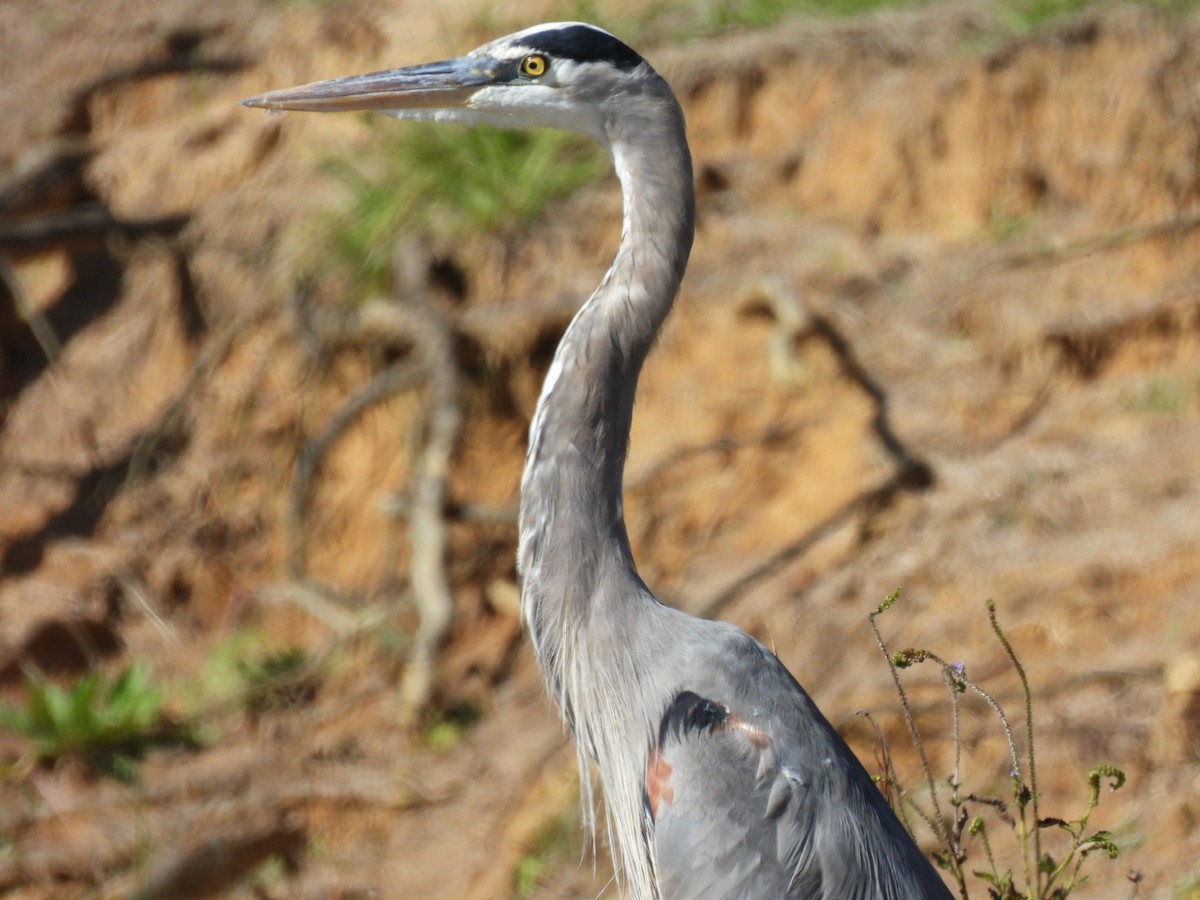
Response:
column 561, row 75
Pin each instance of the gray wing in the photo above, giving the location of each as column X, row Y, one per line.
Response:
column 752, row 794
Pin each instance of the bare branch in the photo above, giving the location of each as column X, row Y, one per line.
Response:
column 396, row 378
column 432, row 339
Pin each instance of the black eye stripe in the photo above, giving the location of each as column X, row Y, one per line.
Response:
column 583, row 44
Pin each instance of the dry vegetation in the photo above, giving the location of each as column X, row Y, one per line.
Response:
column 942, row 331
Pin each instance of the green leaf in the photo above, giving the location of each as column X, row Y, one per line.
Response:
column 1053, row 821
column 78, row 705
column 1101, row 840
column 105, row 722
column 58, row 704
column 1116, row 777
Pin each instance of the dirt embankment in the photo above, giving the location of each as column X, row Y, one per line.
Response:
column 942, row 330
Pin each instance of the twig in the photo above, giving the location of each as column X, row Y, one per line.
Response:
column 317, row 601
column 1033, row 788
column 796, row 321
column 1086, row 349
column 942, row 830
column 773, row 434
column 416, row 324
column 82, row 222
column 392, row 380
column 34, row 320
column 909, row 657
column 135, row 589
column 39, row 170
column 1109, row 240
column 792, row 323
column 433, row 343
column 890, row 777
column 952, row 687
column 869, row 501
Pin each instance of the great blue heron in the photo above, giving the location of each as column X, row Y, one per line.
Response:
column 721, row 777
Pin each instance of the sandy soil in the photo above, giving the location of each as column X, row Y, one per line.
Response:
column 941, row 331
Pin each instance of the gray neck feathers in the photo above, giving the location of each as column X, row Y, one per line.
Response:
column 580, row 591
column 572, row 529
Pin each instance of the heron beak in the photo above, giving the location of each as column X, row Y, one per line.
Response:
column 448, row 84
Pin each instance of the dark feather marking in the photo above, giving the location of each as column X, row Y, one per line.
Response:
column 690, row 712
column 583, row 44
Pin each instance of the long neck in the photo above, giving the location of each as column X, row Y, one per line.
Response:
column 572, row 529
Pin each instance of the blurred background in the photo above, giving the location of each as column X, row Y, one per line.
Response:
column 941, row 332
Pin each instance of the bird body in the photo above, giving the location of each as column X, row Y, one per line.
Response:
column 721, row 778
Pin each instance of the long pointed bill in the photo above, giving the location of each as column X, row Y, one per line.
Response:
column 438, row 85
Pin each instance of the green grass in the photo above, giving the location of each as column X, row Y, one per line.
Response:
column 1027, row 15
column 107, row 723
column 444, row 183
column 764, row 13
column 250, row 673
column 672, row 20
column 316, row 4
column 1160, row 395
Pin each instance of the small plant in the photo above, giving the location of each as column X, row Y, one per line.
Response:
column 1046, row 874
column 446, row 727
column 246, row 672
column 105, row 723
column 448, row 183
column 277, row 680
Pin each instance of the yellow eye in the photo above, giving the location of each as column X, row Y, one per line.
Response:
column 534, row 66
